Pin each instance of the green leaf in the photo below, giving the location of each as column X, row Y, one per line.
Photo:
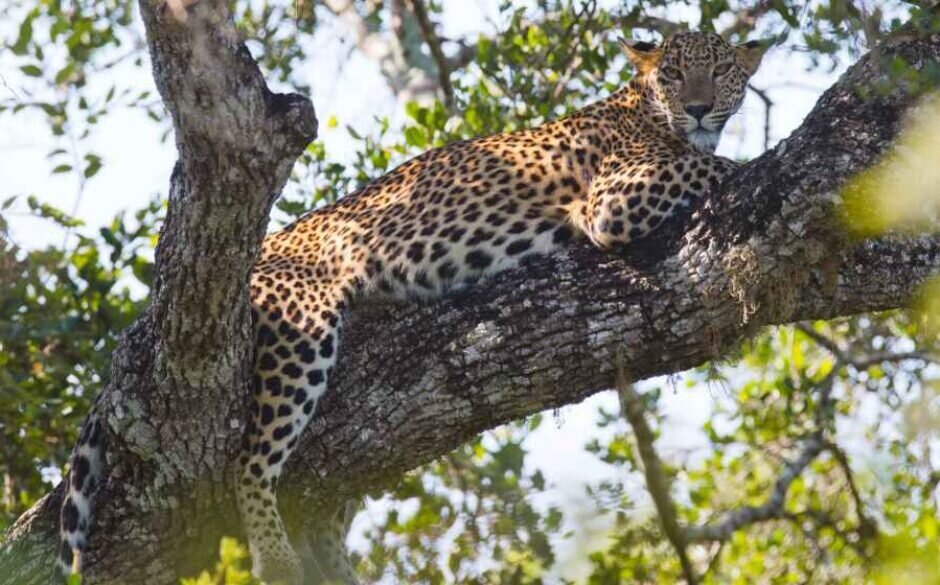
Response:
column 25, row 35
column 415, row 137
column 31, row 70
column 64, row 74
column 93, row 166
column 50, row 109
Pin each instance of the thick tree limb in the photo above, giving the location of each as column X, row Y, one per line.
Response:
column 415, row 381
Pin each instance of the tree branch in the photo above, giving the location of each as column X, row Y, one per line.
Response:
column 434, row 45
column 768, row 107
column 867, row 528
column 864, row 361
column 774, row 507
column 746, row 18
column 416, row 380
column 638, row 19
column 657, row 484
column 771, row 509
column 409, row 74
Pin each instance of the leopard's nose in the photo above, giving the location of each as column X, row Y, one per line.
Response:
column 698, row 111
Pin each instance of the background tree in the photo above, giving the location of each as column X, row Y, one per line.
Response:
column 773, row 490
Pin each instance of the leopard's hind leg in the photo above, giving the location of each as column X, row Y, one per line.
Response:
column 297, row 332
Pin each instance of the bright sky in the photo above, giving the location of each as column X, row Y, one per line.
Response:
column 137, row 165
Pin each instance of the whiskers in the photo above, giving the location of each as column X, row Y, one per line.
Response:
column 661, row 113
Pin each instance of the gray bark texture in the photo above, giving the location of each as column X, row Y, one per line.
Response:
column 416, row 380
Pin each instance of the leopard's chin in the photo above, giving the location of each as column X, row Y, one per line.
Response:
column 706, row 140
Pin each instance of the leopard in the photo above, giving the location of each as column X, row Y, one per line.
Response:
column 611, row 173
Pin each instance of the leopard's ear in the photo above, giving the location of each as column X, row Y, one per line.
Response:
column 751, row 52
column 644, row 55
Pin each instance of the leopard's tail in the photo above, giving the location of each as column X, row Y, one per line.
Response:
column 85, row 468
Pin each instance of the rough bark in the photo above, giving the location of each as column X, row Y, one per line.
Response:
column 416, row 380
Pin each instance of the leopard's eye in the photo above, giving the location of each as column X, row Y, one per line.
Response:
column 670, row 74
column 721, row 69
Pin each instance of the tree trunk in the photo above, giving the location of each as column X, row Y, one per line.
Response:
column 176, row 402
column 416, row 380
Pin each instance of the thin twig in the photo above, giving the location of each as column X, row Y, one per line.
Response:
column 582, row 18
column 825, row 412
column 6, row 84
column 867, row 529
column 79, row 172
column 860, row 363
column 824, row 341
column 880, row 358
column 434, row 44
column 768, row 106
column 465, row 54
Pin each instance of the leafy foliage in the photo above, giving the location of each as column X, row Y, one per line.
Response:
column 863, row 509
column 60, row 312
column 468, row 518
column 231, row 568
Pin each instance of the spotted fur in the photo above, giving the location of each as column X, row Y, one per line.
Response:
column 85, row 470
column 612, row 172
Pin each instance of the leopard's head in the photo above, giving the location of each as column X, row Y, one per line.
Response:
column 697, row 80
